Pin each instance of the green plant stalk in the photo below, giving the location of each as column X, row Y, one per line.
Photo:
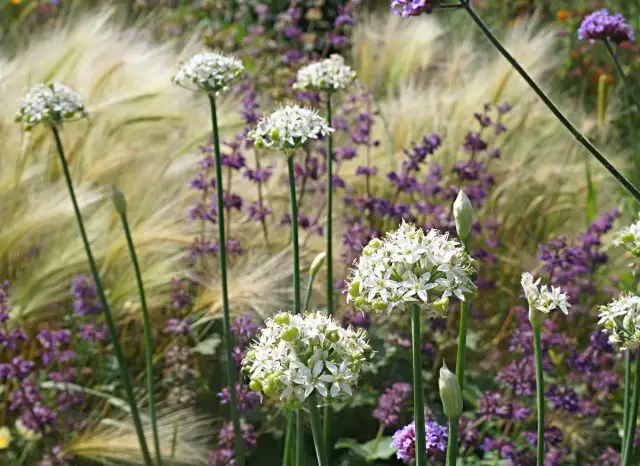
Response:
column 288, row 437
column 379, row 435
column 327, row 408
column 462, row 342
column 299, row 438
column 146, row 326
column 174, row 440
column 549, row 103
column 294, row 235
column 418, row 401
column 452, row 442
column 539, row 393
column 316, row 430
column 307, row 297
column 111, row 325
column 226, row 325
column 623, row 77
column 632, row 420
column 627, row 397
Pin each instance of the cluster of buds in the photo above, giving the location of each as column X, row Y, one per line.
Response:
column 295, row 355
column 621, row 320
column 328, row 75
column 49, row 104
column 209, row 72
column 629, row 238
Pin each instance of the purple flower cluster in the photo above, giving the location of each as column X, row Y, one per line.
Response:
column 404, row 441
column 179, row 373
column 602, row 25
column 85, row 296
column 356, row 319
column 246, row 400
column 392, row 403
column 407, row 8
column 224, row 455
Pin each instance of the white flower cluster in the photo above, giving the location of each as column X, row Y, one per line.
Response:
column 208, row 72
column 621, row 319
column 297, row 354
column 629, row 238
column 51, row 104
column 288, row 128
column 410, row 267
column 328, row 75
column 541, row 299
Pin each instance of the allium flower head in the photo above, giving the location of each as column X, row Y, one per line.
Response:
column 288, row 128
column 328, row 75
column 541, row 299
column 404, row 440
column 621, row 319
column 51, row 104
column 629, row 238
column 406, row 8
column 410, row 267
column 602, row 25
column 295, row 355
column 208, row 72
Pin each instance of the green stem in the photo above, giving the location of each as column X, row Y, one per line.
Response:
column 25, row 453
column 316, row 430
column 626, row 84
column 452, row 442
column 226, row 330
column 146, row 325
column 418, row 401
column 294, row 235
column 627, row 397
column 111, row 325
column 539, row 393
column 288, row 437
column 379, row 435
column 299, row 438
column 307, row 297
column 549, row 103
column 329, row 212
column 462, row 343
column 174, row 440
column 633, row 418
column 326, row 432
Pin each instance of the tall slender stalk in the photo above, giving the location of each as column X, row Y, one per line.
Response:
column 418, row 401
column 537, row 347
column 111, row 326
column 121, row 207
column 462, row 343
column 632, row 421
column 627, row 397
column 452, row 442
column 300, row 438
column 316, row 430
column 288, row 438
column 549, row 103
column 623, row 77
column 226, row 324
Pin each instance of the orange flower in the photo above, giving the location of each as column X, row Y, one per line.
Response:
column 563, row 15
column 16, row 2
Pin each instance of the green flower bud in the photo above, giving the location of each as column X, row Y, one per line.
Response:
column 317, row 263
column 269, row 389
column 119, row 201
column 255, row 386
column 379, row 305
column 354, row 288
column 450, row 393
column 333, row 336
column 251, row 355
column 274, row 134
column 290, row 334
column 282, row 318
column 441, row 306
column 463, row 215
column 628, row 237
column 359, row 301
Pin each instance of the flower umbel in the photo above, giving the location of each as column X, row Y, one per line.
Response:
column 602, row 25
column 50, row 104
column 541, row 299
column 208, row 72
column 621, row 319
column 328, row 75
column 411, row 267
column 297, row 354
column 288, row 128
column 629, row 238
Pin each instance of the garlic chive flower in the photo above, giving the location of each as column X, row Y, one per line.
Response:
column 289, row 128
column 541, row 299
column 328, row 75
column 50, row 104
column 295, row 355
column 208, row 72
column 629, row 238
column 621, row 319
column 410, row 267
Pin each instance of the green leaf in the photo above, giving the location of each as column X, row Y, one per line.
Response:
column 208, row 346
column 383, row 451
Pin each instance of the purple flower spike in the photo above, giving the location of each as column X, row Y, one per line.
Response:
column 602, row 25
column 391, row 403
column 406, row 8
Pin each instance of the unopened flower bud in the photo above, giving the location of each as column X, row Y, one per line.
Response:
column 119, row 201
column 463, row 214
column 441, row 306
column 290, row 334
column 317, row 263
column 333, row 336
column 354, row 288
column 255, row 386
column 450, row 393
column 282, row 318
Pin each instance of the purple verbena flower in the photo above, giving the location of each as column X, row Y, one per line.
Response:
column 404, row 440
column 406, row 8
column 602, row 25
column 391, row 404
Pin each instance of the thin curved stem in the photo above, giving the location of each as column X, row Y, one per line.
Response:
column 539, row 393
column 625, row 82
column 452, row 442
column 549, row 103
column 418, row 400
column 148, row 347
column 633, row 417
column 294, row 235
column 108, row 317
column 226, row 320
column 462, row 342
column 316, row 430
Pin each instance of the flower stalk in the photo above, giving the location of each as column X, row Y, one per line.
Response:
column 316, row 430
column 537, row 347
column 632, row 420
column 627, row 397
column 327, row 407
column 418, row 401
column 623, row 77
column 226, row 324
column 111, row 326
column 120, row 204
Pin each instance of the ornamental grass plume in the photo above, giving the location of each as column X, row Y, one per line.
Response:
column 411, row 268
